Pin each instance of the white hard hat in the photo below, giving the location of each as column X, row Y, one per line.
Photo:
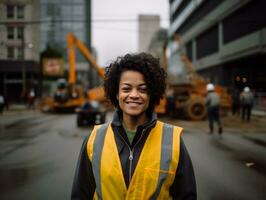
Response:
column 210, row 87
column 246, row 89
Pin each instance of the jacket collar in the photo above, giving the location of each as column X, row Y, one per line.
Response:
column 117, row 120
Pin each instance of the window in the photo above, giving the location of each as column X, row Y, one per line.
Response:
column 20, row 51
column 10, row 52
column 248, row 19
column 10, row 11
column 196, row 17
column 20, row 32
column 20, row 12
column 10, row 32
column 189, row 50
column 207, row 43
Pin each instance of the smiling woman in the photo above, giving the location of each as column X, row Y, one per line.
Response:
column 136, row 155
column 152, row 76
column 133, row 97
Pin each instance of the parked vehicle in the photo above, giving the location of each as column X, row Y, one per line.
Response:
column 90, row 113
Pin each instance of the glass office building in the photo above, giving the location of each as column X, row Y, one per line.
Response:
column 59, row 17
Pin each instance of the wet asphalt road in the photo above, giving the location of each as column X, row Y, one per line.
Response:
column 38, row 154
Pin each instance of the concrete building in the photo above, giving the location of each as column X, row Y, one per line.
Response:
column 26, row 28
column 225, row 40
column 148, row 26
column 157, row 45
column 19, row 45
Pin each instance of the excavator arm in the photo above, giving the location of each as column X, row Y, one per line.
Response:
column 72, row 42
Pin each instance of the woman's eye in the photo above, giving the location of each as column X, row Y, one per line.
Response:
column 126, row 89
column 143, row 89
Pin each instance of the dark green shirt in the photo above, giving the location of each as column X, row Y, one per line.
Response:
column 130, row 135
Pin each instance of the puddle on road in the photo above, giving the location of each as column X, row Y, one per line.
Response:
column 218, row 142
column 12, row 179
column 28, row 122
column 257, row 165
column 22, row 123
column 256, row 141
column 81, row 132
column 21, row 134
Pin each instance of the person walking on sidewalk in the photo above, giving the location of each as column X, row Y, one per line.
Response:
column 31, row 99
column 213, row 105
column 236, row 102
column 135, row 156
column 246, row 100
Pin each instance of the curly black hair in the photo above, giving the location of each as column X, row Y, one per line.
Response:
column 144, row 63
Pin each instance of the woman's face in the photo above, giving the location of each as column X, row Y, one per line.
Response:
column 133, row 95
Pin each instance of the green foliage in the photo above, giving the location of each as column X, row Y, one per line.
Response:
column 51, row 52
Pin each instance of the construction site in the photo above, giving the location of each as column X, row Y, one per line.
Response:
column 53, row 61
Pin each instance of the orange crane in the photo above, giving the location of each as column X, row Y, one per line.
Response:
column 69, row 94
column 72, row 41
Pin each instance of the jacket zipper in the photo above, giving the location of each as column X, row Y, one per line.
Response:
column 131, row 156
column 131, row 153
column 130, row 164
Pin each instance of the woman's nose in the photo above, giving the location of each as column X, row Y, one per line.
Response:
column 134, row 93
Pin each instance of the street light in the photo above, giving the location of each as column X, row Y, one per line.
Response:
column 24, row 72
column 23, row 66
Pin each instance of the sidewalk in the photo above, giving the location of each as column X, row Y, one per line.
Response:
column 259, row 113
column 16, row 109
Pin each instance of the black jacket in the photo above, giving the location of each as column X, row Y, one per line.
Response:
column 184, row 186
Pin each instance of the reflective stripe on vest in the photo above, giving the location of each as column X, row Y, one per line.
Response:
column 155, row 170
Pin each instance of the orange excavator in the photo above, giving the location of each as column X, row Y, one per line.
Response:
column 189, row 89
column 70, row 95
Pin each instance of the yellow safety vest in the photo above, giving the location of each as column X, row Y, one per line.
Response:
column 155, row 170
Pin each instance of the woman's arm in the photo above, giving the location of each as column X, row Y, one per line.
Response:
column 84, row 183
column 184, row 186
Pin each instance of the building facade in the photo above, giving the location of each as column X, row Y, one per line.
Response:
column 60, row 17
column 27, row 27
column 19, row 44
column 224, row 39
column 148, row 26
column 157, row 45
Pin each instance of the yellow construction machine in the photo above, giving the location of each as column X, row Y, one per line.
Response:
column 70, row 95
column 189, row 90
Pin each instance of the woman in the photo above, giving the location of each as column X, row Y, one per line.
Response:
column 135, row 156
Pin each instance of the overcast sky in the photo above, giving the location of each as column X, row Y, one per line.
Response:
column 115, row 27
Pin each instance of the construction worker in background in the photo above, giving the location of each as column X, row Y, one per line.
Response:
column 246, row 100
column 135, row 156
column 236, row 102
column 31, row 99
column 213, row 104
column 170, row 102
